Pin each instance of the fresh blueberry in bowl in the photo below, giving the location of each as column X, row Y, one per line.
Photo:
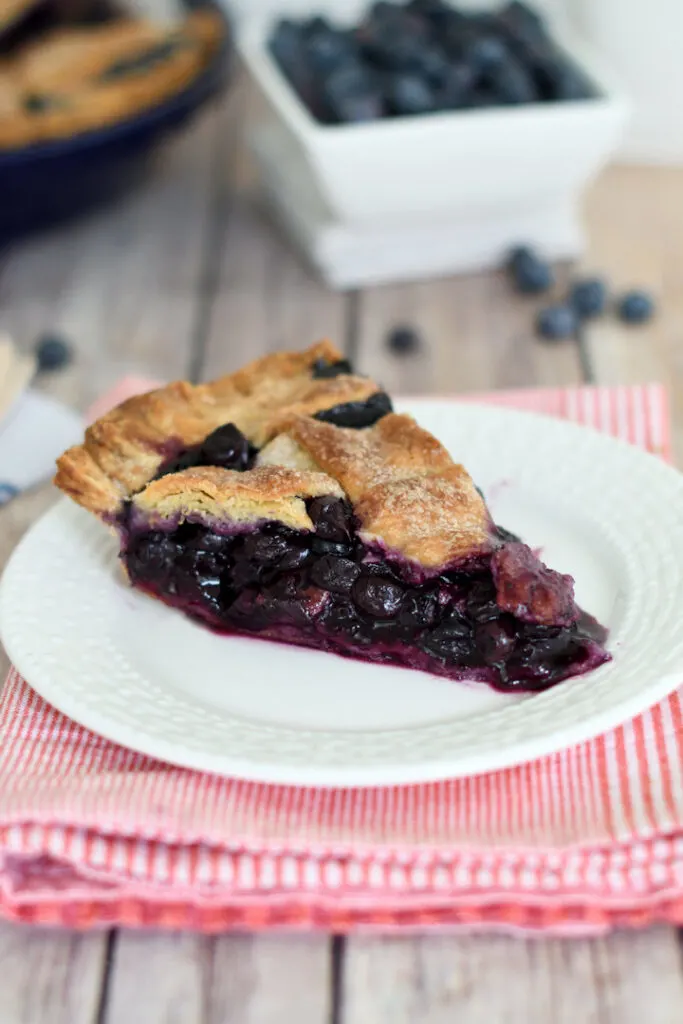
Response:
column 556, row 323
column 636, row 307
column 588, row 297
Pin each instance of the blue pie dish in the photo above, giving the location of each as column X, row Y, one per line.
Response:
column 48, row 183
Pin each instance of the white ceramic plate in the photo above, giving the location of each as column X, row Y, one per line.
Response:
column 142, row 675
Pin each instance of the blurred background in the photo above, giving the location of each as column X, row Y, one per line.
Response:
column 186, row 184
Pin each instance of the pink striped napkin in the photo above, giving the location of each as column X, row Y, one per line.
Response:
column 590, row 838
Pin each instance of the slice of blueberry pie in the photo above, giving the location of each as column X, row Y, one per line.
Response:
column 290, row 502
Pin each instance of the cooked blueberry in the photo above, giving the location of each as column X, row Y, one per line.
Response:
column 481, row 602
column 331, row 547
column 530, row 274
column 152, row 555
column 53, row 352
column 495, row 641
column 264, row 548
column 407, row 93
column 226, row 447
column 636, row 307
column 378, row 596
column 403, row 340
column 186, row 460
column 335, row 574
column 296, row 555
column 419, row 609
column 448, row 643
column 332, row 518
column 589, row 297
column 556, row 323
column 357, row 415
column 210, row 589
column 324, row 370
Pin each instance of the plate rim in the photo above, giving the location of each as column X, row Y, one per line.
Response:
column 434, row 769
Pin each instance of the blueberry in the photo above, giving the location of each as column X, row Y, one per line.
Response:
column 378, row 596
column 335, row 574
column 52, row 352
column 555, row 323
column 486, row 52
column 636, row 307
column 286, row 43
column 588, row 297
column 558, row 78
column 433, row 65
column 327, row 50
column 324, row 370
column 409, row 94
column 265, row 549
column 530, row 274
column 331, row 518
column 495, row 642
column 296, row 555
column 455, row 90
column 226, row 447
column 511, row 82
column 481, row 602
column 403, row 340
column 448, row 643
column 351, row 95
column 420, row 609
column 357, row 415
column 152, row 556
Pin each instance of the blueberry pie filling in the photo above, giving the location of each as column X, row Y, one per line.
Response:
column 292, row 504
column 505, row 620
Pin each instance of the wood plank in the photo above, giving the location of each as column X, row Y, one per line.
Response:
column 186, row 979
column 635, row 217
column 478, row 980
column 476, row 335
column 125, row 287
column 48, row 976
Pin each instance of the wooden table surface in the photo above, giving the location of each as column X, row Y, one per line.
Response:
column 185, row 278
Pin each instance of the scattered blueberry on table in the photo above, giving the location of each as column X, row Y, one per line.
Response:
column 421, row 57
column 636, row 307
column 53, row 352
column 589, row 297
column 556, row 323
column 403, row 340
column 530, row 274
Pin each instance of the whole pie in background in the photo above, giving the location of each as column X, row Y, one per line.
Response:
column 288, row 501
column 69, row 68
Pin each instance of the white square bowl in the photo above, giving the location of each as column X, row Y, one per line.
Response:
column 454, row 165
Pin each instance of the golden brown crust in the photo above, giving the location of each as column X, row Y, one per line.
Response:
column 407, row 493
column 123, row 450
column 228, row 497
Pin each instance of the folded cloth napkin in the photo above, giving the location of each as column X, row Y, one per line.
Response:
column 587, row 839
